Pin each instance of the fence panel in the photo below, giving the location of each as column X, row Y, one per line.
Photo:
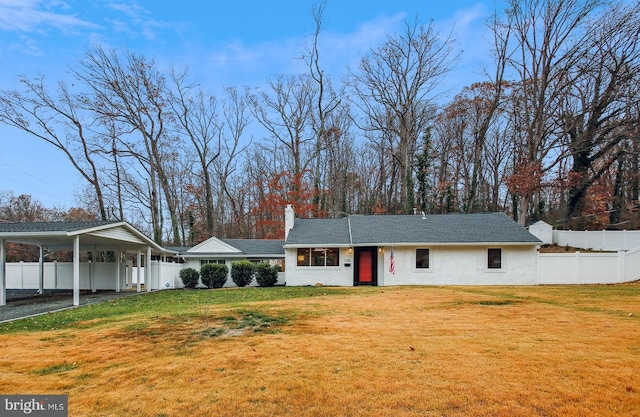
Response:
column 587, row 268
column 599, row 239
column 632, row 265
column 599, row 268
column 558, row 268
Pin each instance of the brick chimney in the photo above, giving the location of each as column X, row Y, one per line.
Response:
column 289, row 219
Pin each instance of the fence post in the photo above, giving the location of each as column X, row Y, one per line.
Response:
column 624, row 240
column 579, row 267
column 622, row 273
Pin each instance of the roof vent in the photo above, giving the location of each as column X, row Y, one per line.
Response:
column 424, row 215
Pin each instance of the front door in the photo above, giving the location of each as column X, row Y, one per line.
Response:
column 366, row 268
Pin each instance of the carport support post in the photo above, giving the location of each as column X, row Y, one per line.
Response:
column 92, row 271
column 41, row 271
column 3, row 274
column 118, row 266
column 76, row 270
column 138, row 262
column 147, row 269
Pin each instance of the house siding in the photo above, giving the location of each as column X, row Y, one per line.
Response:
column 460, row 266
column 195, row 264
column 340, row 275
column 449, row 265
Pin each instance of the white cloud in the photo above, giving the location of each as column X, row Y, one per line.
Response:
column 35, row 15
column 237, row 63
column 137, row 20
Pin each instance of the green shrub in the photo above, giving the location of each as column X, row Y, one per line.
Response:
column 189, row 277
column 214, row 275
column 242, row 273
column 266, row 275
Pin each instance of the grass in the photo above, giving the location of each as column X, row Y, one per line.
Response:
column 388, row 351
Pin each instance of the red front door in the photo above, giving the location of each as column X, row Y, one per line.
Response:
column 365, row 270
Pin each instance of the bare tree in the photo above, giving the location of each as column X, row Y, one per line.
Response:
column 545, row 39
column 285, row 113
column 60, row 121
column 396, row 85
column 326, row 101
column 235, row 113
column 197, row 118
column 597, row 113
column 132, row 92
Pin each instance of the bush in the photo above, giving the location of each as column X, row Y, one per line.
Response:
column 189, row 277
column 214, row 275
column 242, row 273
column 266, row 275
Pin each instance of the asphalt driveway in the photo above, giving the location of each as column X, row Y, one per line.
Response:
column 26, row 303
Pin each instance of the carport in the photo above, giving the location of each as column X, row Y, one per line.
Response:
column 93, row 236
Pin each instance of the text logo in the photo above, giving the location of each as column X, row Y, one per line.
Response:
column 34, row 405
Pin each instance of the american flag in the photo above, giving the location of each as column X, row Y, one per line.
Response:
column 392, row 263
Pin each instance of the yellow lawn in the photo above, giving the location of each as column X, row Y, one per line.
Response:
column 410, row 351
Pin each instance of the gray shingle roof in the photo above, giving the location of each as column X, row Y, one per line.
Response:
column 36, row 227
column 247, row 248
column 257, row 246
column 319, row 232
column 410, row 229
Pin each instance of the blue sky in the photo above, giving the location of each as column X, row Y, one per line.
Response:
column 242, row 42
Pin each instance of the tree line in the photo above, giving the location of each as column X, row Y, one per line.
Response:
column 550, row 131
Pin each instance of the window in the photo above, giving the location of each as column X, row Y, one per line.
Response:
column 212, row 261
column 422, row 258
column 318, row 256
column 332, row 257
column 304, row 256
column 494, row 258
column 278, row 263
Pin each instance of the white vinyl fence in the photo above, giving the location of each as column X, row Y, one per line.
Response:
column 93, row 275
column 598, row 239
column 59, row 275
column 589, row 268
column 164, row 275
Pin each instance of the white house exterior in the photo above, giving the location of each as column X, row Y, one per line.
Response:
column 226, row 251
column 384, row 250
column 452, row 249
